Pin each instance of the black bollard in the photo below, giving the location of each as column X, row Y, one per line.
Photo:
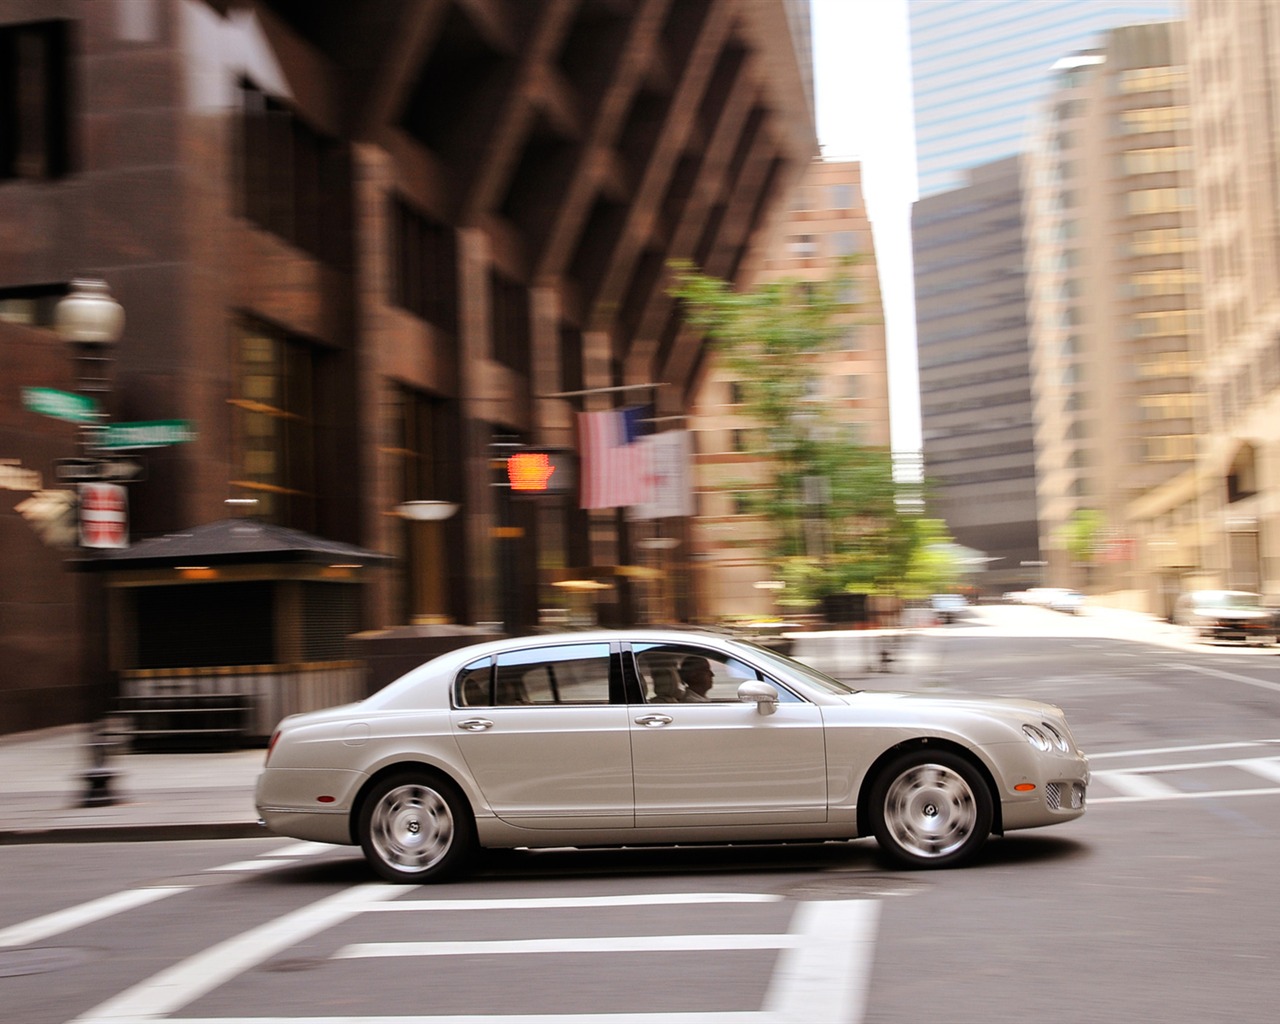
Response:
column 98, row 777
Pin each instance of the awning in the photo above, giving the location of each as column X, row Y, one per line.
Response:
column 232, row 542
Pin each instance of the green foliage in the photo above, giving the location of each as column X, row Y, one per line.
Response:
column 1082, row 535
column 838, row 515
column 937, row 564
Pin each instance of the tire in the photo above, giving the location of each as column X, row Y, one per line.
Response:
column 930, row 809
column 415, row 827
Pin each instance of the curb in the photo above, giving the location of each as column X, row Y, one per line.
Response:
column 200, row 831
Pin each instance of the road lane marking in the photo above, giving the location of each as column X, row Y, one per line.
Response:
column 1222, row 794
column 820, row 978
column 1137, row 786
column 1234, row 677
column 40, row 928
column 1179, row 750
column 590, row 944
column 572, row 902
column 1266, row 768
column 192, row 978
column 823, row 978
column 276, row 858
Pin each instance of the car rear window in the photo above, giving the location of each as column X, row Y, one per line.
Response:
column 548, row 675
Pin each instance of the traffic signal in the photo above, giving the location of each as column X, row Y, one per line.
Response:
column 541, row 471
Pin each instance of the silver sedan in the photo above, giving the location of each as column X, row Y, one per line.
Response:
column 659, row 737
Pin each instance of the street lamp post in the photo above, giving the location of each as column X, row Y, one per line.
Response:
column 90, row 321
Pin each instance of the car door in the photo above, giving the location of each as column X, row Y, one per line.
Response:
column 542, row 738
column 719, row 761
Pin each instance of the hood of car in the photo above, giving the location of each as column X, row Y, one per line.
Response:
column 1005, row 707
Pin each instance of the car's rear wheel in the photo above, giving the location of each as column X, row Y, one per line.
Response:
column 930, row 809
column 415, row 828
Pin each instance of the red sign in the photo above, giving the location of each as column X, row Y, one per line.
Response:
column 104, row 516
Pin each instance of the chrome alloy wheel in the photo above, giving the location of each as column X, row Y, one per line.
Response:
column 412, row 828
column 930, row 811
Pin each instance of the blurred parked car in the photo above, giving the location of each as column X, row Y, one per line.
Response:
column 948, row 607
column 1069, row 601
column 1228, row 616
column 659, row 736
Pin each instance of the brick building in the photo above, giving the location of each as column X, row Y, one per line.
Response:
column 363, row 250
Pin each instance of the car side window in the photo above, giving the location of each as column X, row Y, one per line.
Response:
column 553, row 675
column 681, row 674
column 474, row 688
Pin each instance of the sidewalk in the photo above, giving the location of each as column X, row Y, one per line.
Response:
column 158, row 796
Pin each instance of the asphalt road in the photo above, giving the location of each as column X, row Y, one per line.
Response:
column 1158, row 905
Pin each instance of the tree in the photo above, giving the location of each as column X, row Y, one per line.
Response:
column 836, row 511
column 936, row 563
column 1082, row 535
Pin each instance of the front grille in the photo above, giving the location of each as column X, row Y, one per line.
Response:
column 1053, row 794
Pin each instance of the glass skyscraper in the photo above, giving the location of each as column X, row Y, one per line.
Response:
column 979, row 68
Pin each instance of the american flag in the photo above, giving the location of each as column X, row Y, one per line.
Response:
column 615, row 466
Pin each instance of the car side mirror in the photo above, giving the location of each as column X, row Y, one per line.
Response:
column 762, row 695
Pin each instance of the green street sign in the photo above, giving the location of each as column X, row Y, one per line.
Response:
column 61, row 405
column 150, row 434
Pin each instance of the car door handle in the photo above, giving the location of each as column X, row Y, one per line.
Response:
column 475, row 724
column 653, row 721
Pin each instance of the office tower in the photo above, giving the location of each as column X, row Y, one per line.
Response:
column 1114, row 301
column 979, row 67
column 975, row 384
column 1235, row 82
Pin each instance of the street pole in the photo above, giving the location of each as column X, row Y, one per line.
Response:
column 90, row 321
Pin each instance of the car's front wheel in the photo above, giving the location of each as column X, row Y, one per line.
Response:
column 415, row 828
column 930, row 809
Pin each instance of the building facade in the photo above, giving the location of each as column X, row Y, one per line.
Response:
column 979, row 69
column 825, row 234
column 364, row 252
column 1235, row 82
column 975, row 375
column 1115, row 301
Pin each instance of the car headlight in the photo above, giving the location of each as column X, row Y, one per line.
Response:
column 1055, row 736
column 1036, row 738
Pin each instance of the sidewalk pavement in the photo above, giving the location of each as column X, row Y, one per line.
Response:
column 158, row 796
column 210, row 795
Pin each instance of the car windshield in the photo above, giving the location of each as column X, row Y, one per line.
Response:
column 1233, row 601
column 807, row 674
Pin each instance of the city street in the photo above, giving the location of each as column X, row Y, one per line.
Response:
column 1156, row 906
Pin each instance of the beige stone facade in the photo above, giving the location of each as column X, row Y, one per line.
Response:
column 1236, row 86
column 1114, row 288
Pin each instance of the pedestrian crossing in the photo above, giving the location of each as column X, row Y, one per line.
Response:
column 1195, row 779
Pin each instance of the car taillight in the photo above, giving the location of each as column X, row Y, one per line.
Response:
column 270, row 747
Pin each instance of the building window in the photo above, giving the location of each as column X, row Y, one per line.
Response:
column 33, row 306
column 844, row 197
column 424, row 264
column 35, row 99
column 845, row 243
column 737, row 392
column 802, row 247
column 509, row 303
column 274, row 460
column 420, row 430
column 295, row 181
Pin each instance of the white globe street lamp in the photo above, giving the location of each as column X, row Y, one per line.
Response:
column 91, row 321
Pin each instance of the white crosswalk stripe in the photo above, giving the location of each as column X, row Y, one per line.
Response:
column 819, row 978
